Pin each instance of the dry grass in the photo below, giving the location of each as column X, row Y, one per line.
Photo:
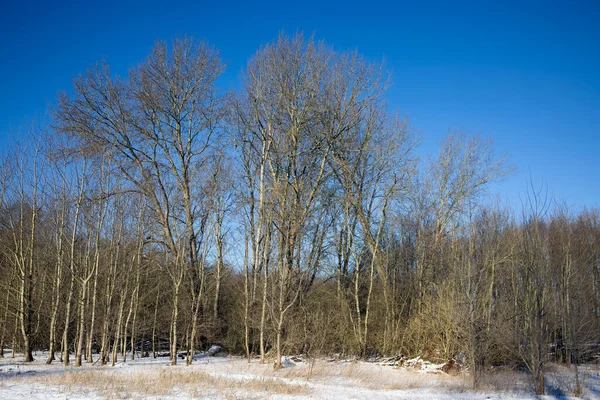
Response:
column 238, row 379
column 371, row 376
column 163, row 382
column 235, row 378
column 505, row 381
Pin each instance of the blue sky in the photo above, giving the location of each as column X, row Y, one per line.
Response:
column 526, row 74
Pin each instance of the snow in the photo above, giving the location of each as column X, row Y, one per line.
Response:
column 214, row 349
column 234, row 377
column 287, row 362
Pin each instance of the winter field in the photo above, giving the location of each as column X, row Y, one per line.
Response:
column 235, row 378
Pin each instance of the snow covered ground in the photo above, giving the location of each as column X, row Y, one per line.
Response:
column 235, row 378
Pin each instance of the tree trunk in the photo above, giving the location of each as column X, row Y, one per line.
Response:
column 175, row 316
column 65, row 335
column 154, row 324
column 246, row 301
column 90, row 335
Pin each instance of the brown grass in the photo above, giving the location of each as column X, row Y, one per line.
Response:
column 371, row 376
column 164, row 382
column 236, row 379
column 504, row 380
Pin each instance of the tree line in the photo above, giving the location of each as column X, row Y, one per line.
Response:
column 157, row 213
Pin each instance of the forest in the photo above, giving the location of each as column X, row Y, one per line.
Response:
column 158, row 213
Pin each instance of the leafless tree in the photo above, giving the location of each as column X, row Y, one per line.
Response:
column 22, row 201
column 157, row 128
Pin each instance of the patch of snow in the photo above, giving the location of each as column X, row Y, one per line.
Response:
column 287, row 362
column 214, row 349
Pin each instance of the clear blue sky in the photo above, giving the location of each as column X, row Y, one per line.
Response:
column 525, row 73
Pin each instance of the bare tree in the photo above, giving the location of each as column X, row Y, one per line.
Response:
column 22, row 199
column 157, row 129
column 531, row 285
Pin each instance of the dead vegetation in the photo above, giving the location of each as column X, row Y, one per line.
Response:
column 313, row 378
column 162, row 382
